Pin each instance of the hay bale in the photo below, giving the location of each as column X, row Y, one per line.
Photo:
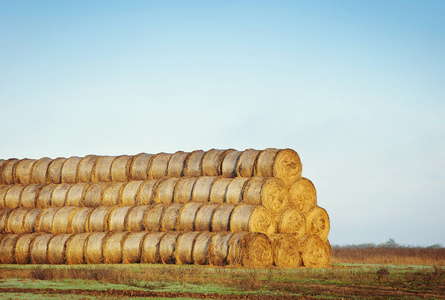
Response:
column 79, row 220
column 281, row 163
column 176, row 164
column 93, row 248
column 219, row 249
column 212, row 161
column 183, row 190
column 4, row 214
column 112, row 194
column 39, row 170
column 3, row 191
column 54, row 173
column 45, row 195
column 167, row 247
column 145, row 194
column 12, row 196
column 218, row 191
column 235, row 190
column 112, row 247
column 246, row 163
column 200, row 253
column 153, row 217
column 158, row 165
column 314, row 252
column 130, row 192
column 30, row 221
column 193, row 164
column 184, row 247
column 15, row 220
column 28, row 198
column 7, row 248
column 164, row 191
column 61, row 217
column 150, row 248
column 7, row 171
column 120, row 169
column 139, row 166
column 221, row 217
column 57, row 249
column 117, row 218
column 76, row 194
column 317, row 223
column 98, row 220
column 187, row 215
column 204, row 216
column 58, row 197
column 94, row 194
column 229, row 164
column 286, row 251
column 22, row 248
column 303, row 195
column 250, row 249
column 102, row 169
column 135, row 218
column 292, row 221
column 75, row 248
column 132, row 247
column 85, row 168
column 252, row 218
column 202, row 188
column 170, row 218
column 69, row 169
column 39, row 248
column 44, row 222
column 22, row 171
column 270, row 192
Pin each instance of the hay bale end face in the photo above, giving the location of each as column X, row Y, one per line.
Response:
column 69, row 169
column 314, row 252
column 184, row 247
column 57, row 248
column 139, row 166
column 292, row 221
column 212, row 161
column 39, row 249
column 22, row 248
column 200, row 253
column 286, row 251
column 74, row 251
column 7, row 248
column 251, row 250
column 113, row 247
column 302, row 195
column 94, row 248
column 252, row 218
column 132, row 247
column 317, row 223
column 167, row 247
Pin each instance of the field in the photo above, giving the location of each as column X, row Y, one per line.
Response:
column 357, row 273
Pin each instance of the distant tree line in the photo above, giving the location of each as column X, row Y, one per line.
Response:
column 390, row 243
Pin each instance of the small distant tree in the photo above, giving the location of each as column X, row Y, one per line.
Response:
column 391, row 243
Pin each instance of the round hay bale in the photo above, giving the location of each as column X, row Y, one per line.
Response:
column 135, row 218
column 221, row 217
column 230, row 163
column 28, row 198
column 22, row 248
column 15, row 221
column 39, row 170
column 57, row 249
column 200, row 253
column 54, row 173
column 170, row 217
column 76, row 194
column 286, row 251
column 130, row 192
column 132, row 247
column 164, row 191
column 167, row 247
column 39, row 248
column 219, row 189
column 79, row 220
column 145, row 194
column 102, row 169
column 4, row 214
column 22, row 171
column 317, row 223
column 303, row 195
column 153, row 217
column 3, row 191
column 252, row 218
column 98, row 220
column 150, row 248
column 212, row 161
column 193, row 164
column 158, row 165
column 187, row 215
column 75, row 249
column 281, row 163
column 176, row 164
column 44, row 222
column 184, row 189
column 235, row 190
column 7, row 171
column 204, row 216
column 112, row 247
column 45, row 195
column 292, row 221
column 202, row 188
column 253, row 250
column 219, row 249
column 7, row 248
column 94, row 194
column 112, row 194
column 184, row 247
column 93, row 248
column 139, row 166
column 69, row 169
column 30, row 221
column 270, row 192
column 12, row 196
column 314, row 252
column 85, row 168
column 60, row 224
column 58, row 197
column 117, row 218
column 120, row 169
column 246, row 163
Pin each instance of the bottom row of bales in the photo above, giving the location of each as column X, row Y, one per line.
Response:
column 201, row 248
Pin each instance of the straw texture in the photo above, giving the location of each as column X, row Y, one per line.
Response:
column 286, row 251
column 292, row 221
column 303, row 195
column 57, row 248
column 132, row 247
column 317, row 223
column 69, row 169
column 184, row 247
column 252, row 218
column 139, row 166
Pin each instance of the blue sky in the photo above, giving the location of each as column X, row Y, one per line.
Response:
column 355, row 87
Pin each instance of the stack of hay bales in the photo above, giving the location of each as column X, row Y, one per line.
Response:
column 219, row 207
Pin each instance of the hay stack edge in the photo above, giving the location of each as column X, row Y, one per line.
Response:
column 247, row 208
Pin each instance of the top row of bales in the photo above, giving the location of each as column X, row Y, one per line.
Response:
column 280, row 163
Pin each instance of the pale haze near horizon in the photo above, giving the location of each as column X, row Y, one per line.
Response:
column 356, row 88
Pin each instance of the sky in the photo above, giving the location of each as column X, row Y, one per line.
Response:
column 356, row 88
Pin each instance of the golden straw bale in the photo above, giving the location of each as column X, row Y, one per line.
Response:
column 317, row 223
column 235, row 190
column 193, row 164
column 3, row 191
column 112, row 194
column 164, row 191
column 184, row 189
column 7, row 171
column 270, row 192
column 120, row 169
column 150, row 248
column 204, row 216
column 252, row 218
column 54, row 173
column 85, row 168
column 170, row 217
column 167, row 247
column 246, row 163
column 303, row 195
column 153, row 217
column 187, row 214
column 22, row 253
column 158, row 165
column 292, row 221
column 286, row 251
column 30, row 221
column 12, row 196
column 15, row 221
column 219, row 249
column 58, row 196
column 202, row 188
column 139, row 166
column 44, row 222
column 135, row 218
column 45, row 195
column 176, row 164
column 145, row 194
column 39, row 248
column 218, row 191
column 212, row 161
column 112, row 247
column 28, row 198
column 4, row 214
column 57, row 249
column 250, row 249
column 79, row 220
column 130, row 192
column 61, row 217
column 230, row 163
column 184, row 247
column 314, row 252
column 76, row 194
column 102, row 169
column 39, row 170
column 93, row 248
column 7, row 248
column 75, row 249
column 94, row 194
column 221, row 217
column 69, row 169
column 98, row 220
column 117, row 218
column 22, row 171
column 200, row 253
column 132, row 247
